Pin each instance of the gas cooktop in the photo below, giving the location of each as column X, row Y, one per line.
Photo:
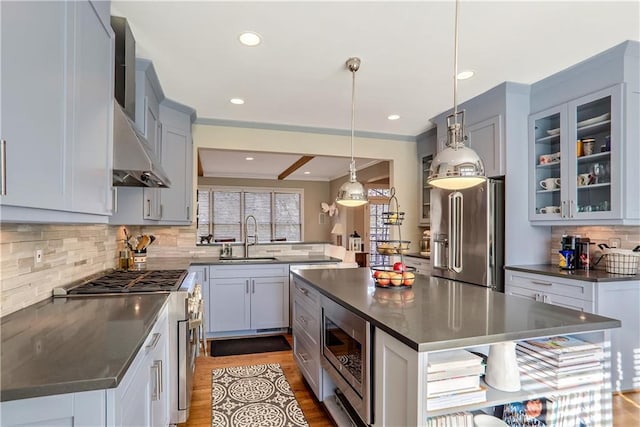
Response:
column 121, row 282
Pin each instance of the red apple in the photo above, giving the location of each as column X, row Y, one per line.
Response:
column 399, row 266
column 376, row 273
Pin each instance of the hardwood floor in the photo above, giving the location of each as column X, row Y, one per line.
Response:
column 626, row 408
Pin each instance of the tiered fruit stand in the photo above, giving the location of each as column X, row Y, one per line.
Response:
column 385, row 275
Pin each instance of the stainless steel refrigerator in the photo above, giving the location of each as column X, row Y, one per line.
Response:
column 467, row 232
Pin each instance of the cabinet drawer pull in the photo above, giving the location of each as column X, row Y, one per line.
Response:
column 302, row 319
column 303, row 357
column 537, row 282
column 304, row 291
column 154, row 341
column 3, row 152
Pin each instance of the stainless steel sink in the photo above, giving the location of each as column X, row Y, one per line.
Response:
column 247, row 260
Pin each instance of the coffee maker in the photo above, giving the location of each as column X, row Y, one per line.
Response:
column 568, row 252
column 574, row 253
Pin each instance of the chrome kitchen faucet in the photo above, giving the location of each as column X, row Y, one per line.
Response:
column 246, row 234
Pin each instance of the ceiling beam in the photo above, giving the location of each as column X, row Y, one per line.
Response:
column 297, row 165
column 200, row 169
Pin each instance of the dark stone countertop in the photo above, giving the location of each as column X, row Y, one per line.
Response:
column 418, row 255
column 438, row 314
column 584, row 275
column 66, row 345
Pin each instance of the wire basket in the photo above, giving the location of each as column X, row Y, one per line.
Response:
column 621, row 261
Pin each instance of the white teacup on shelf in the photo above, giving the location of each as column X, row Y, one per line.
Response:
column 585, row 179
column 550, row 183
column 550, row 209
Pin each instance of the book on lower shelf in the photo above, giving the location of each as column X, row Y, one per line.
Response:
column 455, row 384
column 581, row 409
column 470, row 397
column 561, row 348
column 450, row 360
column 458, row 419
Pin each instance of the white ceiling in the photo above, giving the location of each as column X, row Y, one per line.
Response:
column 297, row 76
column 227, row 163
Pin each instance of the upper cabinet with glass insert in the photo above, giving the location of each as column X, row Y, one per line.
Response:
column 575, row 158
column 584, row 150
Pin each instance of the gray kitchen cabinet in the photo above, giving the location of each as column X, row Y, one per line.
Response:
column 427, row 144
column 485, row 124
column 305, row 327
column 598, row 100
column 422, row 265
column 247, row 299
column 177, row 161
column 618, row 299
column 569, row 184
column 142, row 205
column 141, row 399
column 166, row 125
column 57, row 124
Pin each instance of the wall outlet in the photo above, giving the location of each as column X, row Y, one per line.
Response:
column 614, row 242
column 37, row 256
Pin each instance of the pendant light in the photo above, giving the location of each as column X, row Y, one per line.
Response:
column 456, row 167
column 352, row 193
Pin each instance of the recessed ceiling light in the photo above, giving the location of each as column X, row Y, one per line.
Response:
column 237, row 101
column 248, row 158
column 307, row 173
column 466, row 74
column 249, row 38
column 393, row 117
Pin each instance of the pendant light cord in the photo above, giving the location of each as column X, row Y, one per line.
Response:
column 353, row 114
column 455, row 68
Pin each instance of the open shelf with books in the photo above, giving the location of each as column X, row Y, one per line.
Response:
column 448, row 385
column 567, row 376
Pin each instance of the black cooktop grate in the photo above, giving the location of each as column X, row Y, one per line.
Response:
column 132, row 281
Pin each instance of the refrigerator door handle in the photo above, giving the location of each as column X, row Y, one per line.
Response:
column 455, row 231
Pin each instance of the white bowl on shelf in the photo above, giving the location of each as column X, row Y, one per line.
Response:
column 484, row 420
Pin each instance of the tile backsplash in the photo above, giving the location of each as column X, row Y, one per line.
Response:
column 629, row 237
column 69, row 253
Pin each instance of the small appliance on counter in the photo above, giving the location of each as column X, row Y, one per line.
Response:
column 575, row 253
column 425, row 243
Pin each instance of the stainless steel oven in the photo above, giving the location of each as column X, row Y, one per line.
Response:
column 346, row 341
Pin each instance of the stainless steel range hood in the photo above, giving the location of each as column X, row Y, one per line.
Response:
column 134, row 164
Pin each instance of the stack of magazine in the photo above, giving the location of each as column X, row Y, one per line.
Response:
column 458, row 419
column 581, row 409
column 561, row 362
column 453, row 379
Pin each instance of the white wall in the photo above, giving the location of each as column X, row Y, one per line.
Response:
column 401, row 154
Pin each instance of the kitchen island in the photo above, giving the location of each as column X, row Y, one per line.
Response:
column 437, row 315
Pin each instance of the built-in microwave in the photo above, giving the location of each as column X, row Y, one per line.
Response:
column 346, row 340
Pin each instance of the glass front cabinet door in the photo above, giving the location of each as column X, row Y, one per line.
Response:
column 575, row 151
column 425, row 197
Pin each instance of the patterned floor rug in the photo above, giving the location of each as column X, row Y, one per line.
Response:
column 256, row 396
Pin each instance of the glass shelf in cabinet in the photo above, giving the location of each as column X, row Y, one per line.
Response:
column 594, row 156
column 594, row 186
column 548, row 139
column 551, row 191
column 547, row 165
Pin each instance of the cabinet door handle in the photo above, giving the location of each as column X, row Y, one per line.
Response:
column 154, row 342
column 563, row 208
column 3, row 152
column 537, row 297
column 188, row 215
column 302, row 319
column 114, row 202
column 205, row 274
column 155, row 395
column 537, row 282
column 148, row 213
column 253, row 286
column 571, row 209
column 246, row 286
column 161, row 209
column 161, row 381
